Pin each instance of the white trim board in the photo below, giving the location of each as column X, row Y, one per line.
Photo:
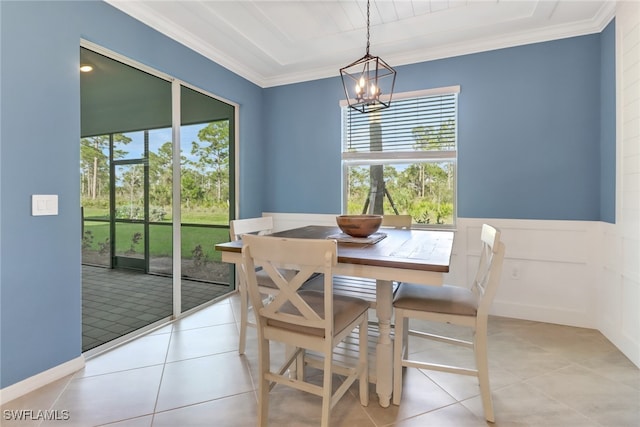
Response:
column 548, row 271
column 548, row 268
column 34, row 382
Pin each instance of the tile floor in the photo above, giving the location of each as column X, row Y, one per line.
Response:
column 189, row 373
column 116, row 302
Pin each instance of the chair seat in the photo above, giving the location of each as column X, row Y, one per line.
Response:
column 345, row 311
column 445, row 299
column 264, row 280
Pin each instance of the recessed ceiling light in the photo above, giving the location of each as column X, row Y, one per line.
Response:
column 86, row 68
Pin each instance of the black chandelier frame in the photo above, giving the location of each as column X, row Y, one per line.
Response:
column 369, row 81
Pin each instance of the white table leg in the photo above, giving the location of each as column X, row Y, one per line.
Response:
column 384, row 348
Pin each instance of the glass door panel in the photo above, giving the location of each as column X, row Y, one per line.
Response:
column 207, row 203
column 130, row 228
column 205, row 277
column 96, row 249
column 126, row 116
column 130, row 240
column 95, row 196
column 161, row 249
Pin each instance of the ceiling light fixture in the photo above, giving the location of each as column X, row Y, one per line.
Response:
column 86, row 68
column 368, row 82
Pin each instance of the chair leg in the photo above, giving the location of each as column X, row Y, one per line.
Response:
column 264, row 362
column 244, row 314
column 299, row 365
column 327, row 390
column 482, row 365
column 405, row 337
column 398, row 345
column 364, row 363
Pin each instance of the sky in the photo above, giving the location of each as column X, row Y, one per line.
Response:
column 158, row 137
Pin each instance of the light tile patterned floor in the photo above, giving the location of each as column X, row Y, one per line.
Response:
column 189, row 373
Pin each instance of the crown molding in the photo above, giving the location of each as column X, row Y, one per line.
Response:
column 146, row 15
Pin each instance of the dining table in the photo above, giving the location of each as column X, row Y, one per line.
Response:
column 397, row 255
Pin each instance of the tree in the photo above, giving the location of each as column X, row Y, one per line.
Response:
column 94, row 162
column 160, row 175
column 425, row 189
column 357, row 186
column 191, row 189
column 377, row 186
column 214, row 154
column 129, row 185
column 434, row 138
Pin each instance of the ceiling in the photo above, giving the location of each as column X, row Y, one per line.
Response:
column 273, row 43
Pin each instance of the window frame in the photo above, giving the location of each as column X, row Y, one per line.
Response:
column 397, row 157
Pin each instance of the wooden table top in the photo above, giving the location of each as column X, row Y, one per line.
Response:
column 425, row 250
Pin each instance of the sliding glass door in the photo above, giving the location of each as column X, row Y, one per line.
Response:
column 129, row 204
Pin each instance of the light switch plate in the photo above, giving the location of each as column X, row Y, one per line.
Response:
column 44, row 204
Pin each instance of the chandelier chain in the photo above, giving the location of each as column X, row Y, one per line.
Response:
column 368, row 34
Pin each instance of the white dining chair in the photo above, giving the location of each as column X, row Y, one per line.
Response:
column 237, row 228
column 468, row 307
column 396, row 221
column 306, row 320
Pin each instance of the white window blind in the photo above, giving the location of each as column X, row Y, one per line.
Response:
column 426, row 123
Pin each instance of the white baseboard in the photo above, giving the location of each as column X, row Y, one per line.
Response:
column 537, row 313
column 32, row 383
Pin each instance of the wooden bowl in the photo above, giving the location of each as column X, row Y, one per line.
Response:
column 359, row 225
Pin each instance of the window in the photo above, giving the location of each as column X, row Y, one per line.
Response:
column 402, row 160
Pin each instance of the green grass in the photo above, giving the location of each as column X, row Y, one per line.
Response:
column 160, row 238
column 189, row 216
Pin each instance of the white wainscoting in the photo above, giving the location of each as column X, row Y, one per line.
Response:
column 618, row 290
column 548, row 272
column 549, row 268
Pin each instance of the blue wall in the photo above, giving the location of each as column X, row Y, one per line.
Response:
column 40, row 274
column 531, row 146
column 530, row 141
column 303, row 154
